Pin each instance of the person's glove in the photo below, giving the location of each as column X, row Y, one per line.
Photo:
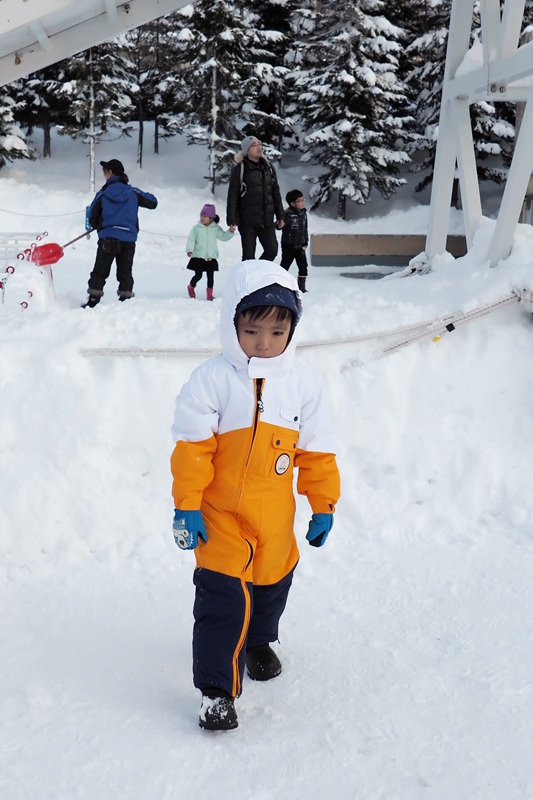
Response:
column 319, row 527
column 187, row 527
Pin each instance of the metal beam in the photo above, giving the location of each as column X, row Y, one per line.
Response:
column 512, row 17
column 15, row 14
column 515, row 189
column 477, row 83
column 467, row 168
column 81, row 36
column 490, row 25
column 446, row 150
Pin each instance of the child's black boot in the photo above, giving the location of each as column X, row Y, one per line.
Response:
column 93, row 299
column 262, row 663
column 301, row 283
column 217, row 712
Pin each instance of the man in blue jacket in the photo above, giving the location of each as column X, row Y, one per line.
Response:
column 114, row 214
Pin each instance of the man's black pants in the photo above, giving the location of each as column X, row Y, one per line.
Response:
column 267, row 238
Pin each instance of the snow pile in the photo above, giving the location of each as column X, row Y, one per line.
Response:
column 406, row 644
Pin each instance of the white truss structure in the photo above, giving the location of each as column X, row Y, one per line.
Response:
column 505, row 73
column 36, row 33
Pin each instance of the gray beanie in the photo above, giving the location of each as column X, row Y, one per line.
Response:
column 247, row 142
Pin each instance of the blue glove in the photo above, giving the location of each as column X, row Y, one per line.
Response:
column 187, row 527
column 319, row 527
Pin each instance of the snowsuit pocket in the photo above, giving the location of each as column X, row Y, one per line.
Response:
column 281, row 455
column 111, row 246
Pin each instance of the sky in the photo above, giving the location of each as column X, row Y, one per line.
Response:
column 407, row 643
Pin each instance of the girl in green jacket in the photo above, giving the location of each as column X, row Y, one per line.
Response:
column 202, row 248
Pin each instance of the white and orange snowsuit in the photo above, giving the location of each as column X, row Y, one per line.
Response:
column 241, row 425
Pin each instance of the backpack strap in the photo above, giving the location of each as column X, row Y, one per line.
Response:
column 244, row 188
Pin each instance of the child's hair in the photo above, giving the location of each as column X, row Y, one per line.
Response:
column 256, row 313
column 275, row 301
column 293, row 196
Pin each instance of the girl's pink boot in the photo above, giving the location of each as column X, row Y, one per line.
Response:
column 191, row 291
column 209, row 294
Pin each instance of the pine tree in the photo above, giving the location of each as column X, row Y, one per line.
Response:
column 98, row 88
column 268, row 118
column 12, row 142
column 151, row 63
column 168, row 101
column 40, row 103
column 217, row 48
column 352, row 103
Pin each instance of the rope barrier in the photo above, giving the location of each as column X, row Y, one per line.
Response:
column 168, row 235
column 449, row 325
column 41, row 216
column 147, row 352
column 436, row 328
column 445, row 325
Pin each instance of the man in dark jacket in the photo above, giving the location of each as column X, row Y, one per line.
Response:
column 114, row 214
column 254, row 200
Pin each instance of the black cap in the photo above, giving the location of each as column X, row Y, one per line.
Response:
column 273, row 295
column 115, row 166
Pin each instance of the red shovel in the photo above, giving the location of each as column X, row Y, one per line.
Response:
column 46, row 254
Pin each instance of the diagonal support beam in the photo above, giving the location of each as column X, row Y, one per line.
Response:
column 515, row 189
column 467, row 169
column 446, row 151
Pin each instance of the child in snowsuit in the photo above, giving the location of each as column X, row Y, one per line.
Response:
column 294, row 236
column 202, row 248
column 242, row 423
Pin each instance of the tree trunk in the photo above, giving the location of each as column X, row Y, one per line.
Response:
column 92, row 160
column 47, row 141
column 158, row 72
column 341, row 206
column 213, row 135
column 140, row 141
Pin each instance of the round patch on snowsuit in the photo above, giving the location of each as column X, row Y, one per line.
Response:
column 282, row 464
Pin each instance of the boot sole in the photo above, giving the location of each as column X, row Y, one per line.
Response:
column 206, row 726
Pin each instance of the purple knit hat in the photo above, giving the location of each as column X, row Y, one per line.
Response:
column 208, row 211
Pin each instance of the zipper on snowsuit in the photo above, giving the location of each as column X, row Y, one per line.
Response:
column 247, row 599
column 258, row 409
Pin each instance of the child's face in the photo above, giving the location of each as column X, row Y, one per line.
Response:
column 263, row 338
column 299, row 202
column 205, row 220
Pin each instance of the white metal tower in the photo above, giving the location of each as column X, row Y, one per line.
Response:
column 505, row 73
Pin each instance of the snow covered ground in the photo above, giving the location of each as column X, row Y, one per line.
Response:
column 407, row 643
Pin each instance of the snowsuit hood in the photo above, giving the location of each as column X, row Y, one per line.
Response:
column 243, row 279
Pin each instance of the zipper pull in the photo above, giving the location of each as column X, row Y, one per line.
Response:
column 258, row 385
